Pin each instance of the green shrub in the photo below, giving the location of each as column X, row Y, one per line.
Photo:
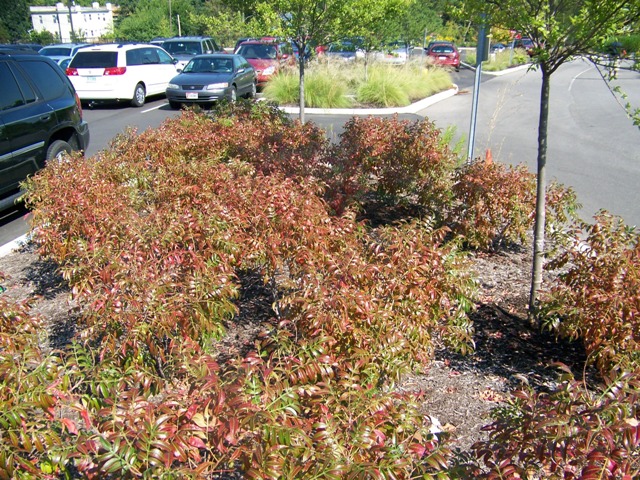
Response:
column 597, row 298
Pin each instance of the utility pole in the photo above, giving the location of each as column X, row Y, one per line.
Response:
column 73, row 34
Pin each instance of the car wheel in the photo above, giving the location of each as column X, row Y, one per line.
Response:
column 253, row 91
column 174, row 105
column 234, row 95
column 139, row 96
column 58, row 149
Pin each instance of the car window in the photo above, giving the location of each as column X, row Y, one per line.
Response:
column 45, row 78
column 94, row 60
column 28, row 93
column 164, row 57
column 143, row 56
column 442, row 49
column 10, row 95
column 183, row 48
column 56, row 51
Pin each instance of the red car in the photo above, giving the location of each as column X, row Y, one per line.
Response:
column 265, row 56
column 445, row 54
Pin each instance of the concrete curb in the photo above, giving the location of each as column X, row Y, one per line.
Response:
column 7, row 248
column 413, row 108
column 519, row 68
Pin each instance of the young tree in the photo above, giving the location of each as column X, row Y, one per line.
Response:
column 560, row 30
column 307, row 21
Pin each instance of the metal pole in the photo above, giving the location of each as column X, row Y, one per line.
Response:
column 480, row 47
column 474, row 112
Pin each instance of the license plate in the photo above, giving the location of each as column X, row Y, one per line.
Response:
column 443, row 57
column 192, row 95
column 91, row 79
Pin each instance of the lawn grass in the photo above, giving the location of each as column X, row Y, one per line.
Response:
column 334, row 85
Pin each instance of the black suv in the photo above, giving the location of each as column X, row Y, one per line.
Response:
column 40, row 118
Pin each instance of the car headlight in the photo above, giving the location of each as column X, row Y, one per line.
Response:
column 173, row 86
column 269, row 70
column 216, row 86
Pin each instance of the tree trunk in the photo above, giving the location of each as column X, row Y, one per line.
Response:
column 301, row 90
column 539, row 230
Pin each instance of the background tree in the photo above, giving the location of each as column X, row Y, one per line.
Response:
column 15, row 21
column 418, row 20
column 560, row 30
column 375, row 23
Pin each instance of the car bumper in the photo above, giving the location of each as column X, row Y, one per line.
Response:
column 83, row 136
column 183, row 96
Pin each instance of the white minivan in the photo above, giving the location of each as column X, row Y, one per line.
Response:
column 121, row 72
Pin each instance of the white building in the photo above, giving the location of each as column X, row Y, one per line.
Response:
column 88, row 23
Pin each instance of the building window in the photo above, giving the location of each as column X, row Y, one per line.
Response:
column 41, row 21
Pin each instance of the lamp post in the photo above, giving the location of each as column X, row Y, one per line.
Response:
column 170, row 26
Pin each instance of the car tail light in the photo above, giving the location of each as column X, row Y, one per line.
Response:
column 72, row 72
column 114, row 71
column 79, row 104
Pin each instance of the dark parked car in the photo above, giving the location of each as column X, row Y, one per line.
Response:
column 185, row 48
column 347, row 50
column 209, row 78
column 444, row 54
column 40, row 118
column 524, row 43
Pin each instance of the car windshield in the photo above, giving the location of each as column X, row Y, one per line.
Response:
column 209, row 65
column 342, row 47
column 266, row 52
column 56, row 51
column 183, row 48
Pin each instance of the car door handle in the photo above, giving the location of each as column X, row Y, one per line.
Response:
column 45, row 118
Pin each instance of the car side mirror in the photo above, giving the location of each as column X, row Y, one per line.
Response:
column 179, row 70
column 240, row 70
column 285, row 56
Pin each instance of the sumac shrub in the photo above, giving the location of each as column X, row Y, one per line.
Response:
column 152, row 236
column 264, row 136
column 34, row 442
column 395, row 159
column 572, row 432
column 596, row 297
column 494, row 204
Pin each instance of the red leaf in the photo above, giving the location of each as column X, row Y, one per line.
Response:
column 70, row 424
